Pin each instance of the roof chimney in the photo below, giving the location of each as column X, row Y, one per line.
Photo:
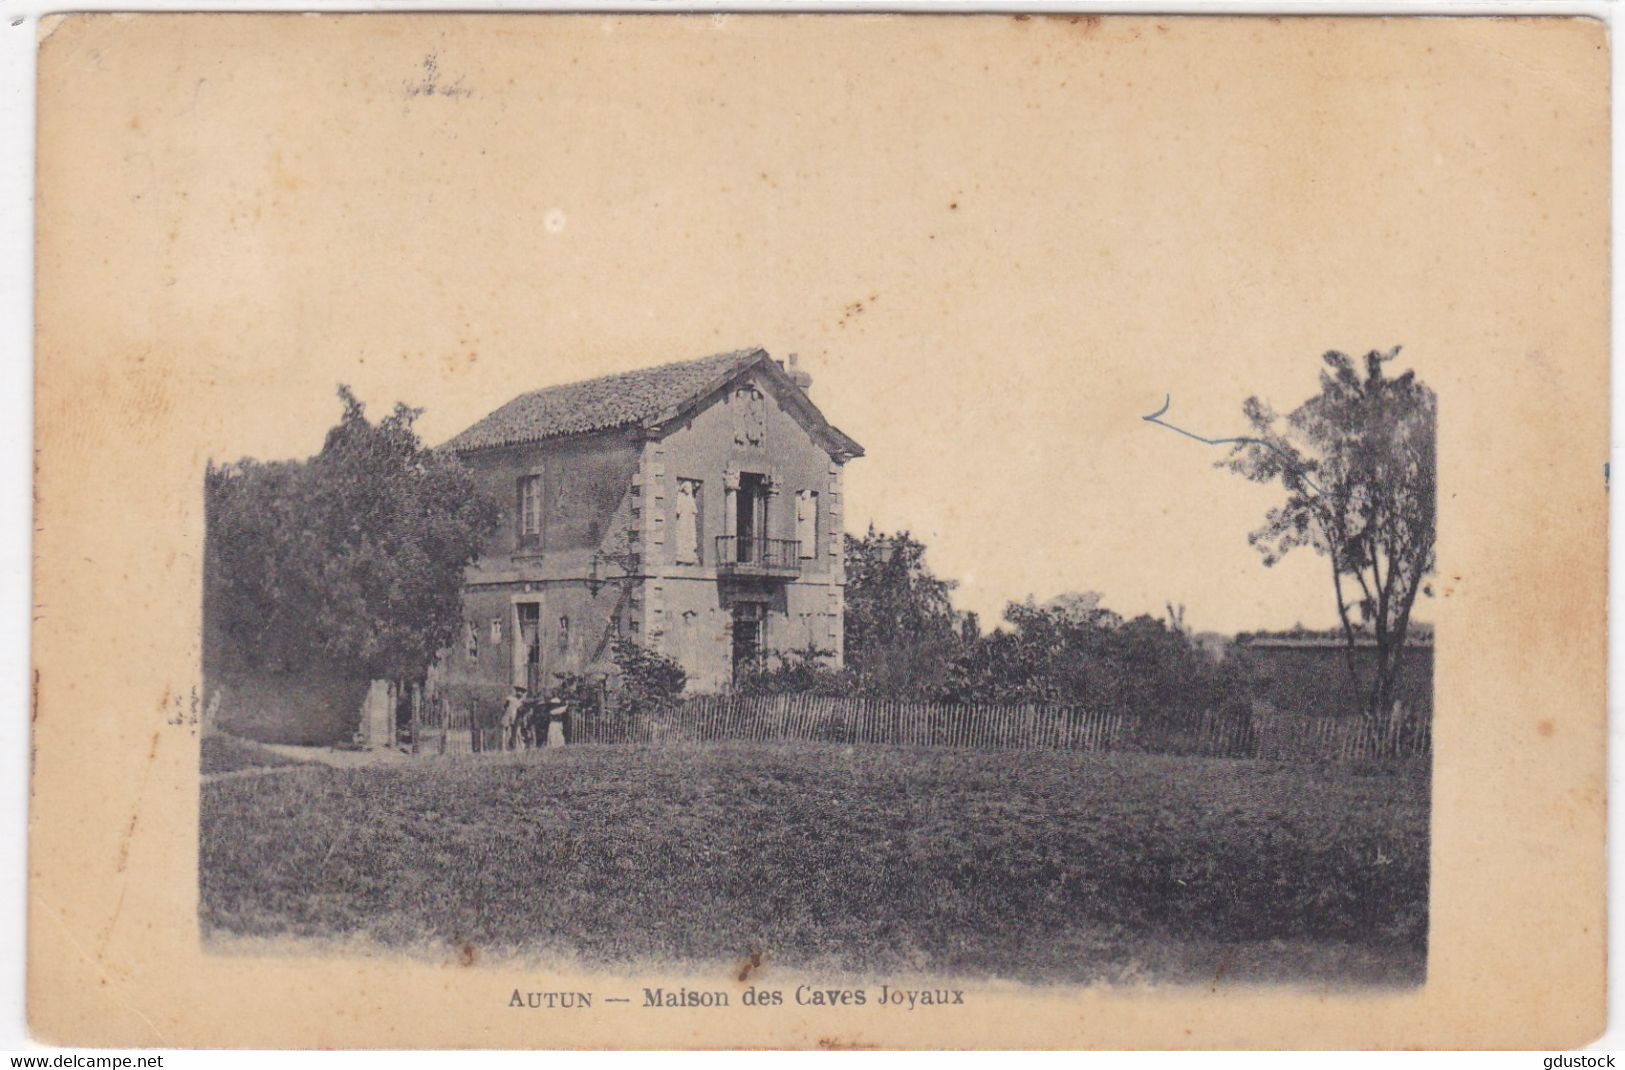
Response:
column 802, row 380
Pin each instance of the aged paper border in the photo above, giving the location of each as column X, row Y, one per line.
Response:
column 1516, row 958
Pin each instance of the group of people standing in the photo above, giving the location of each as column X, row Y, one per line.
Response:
column 530, row 721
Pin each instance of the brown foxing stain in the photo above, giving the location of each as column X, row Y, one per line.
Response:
column 855, row 308
column 1545, row 729
column 466, row 954
column 751, row 964
column 152, row 751
column 455, row 362
column 1087, row 24
column 124, row 844
column 837, row 1044
column 163, row 703
column 282, row 179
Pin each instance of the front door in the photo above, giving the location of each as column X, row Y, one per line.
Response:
column 528, row 660
column 747, row 637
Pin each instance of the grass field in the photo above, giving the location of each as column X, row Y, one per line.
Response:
column 1037, row 866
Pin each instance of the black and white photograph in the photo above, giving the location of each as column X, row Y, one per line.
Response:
column 617, row 647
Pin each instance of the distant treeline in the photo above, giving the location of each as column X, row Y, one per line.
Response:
column 905, row 642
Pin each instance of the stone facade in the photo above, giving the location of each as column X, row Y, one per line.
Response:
column 710, row 530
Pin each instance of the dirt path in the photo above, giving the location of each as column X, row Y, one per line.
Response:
column 338, row 759
column 253, row 770
column 305, row 757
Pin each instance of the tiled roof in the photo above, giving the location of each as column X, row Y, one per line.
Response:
column 601, row 404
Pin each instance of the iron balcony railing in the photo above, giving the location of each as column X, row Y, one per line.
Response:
column 758, row 557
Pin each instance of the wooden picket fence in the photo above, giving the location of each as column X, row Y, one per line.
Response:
column 449, row 728
column 1266, row 733
column 445, row 728
column 823, row 719
column 1294, row 737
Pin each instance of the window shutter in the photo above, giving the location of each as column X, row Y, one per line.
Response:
column 541, row 504
column 519, row 511
column 807, row 522
column 810, row 547
column 699, row 523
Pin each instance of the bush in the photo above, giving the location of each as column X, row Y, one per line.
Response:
column 1059, row 654
column 647, row 680
column 799, row 672
column 901, row 629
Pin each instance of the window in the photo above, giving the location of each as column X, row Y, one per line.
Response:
column 750, row 516
column 688, row 522
column 807, row 522
column 527, row 653
column 530, row 509
column 496, row 631
column 564, row 633
column 471, row 640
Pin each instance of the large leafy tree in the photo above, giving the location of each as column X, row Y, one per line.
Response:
column 1358, row 464
column 901, row 628
column 354, row 557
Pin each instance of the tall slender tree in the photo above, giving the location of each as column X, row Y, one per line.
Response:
column 1358, row 464
column 901, row 628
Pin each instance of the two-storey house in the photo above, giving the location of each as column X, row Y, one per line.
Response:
column 695, row 507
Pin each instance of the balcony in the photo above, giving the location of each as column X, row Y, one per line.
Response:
column 769, row 558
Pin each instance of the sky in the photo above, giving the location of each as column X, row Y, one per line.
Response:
column 996, row 244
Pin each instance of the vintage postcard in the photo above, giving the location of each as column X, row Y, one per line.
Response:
column 585, row 530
